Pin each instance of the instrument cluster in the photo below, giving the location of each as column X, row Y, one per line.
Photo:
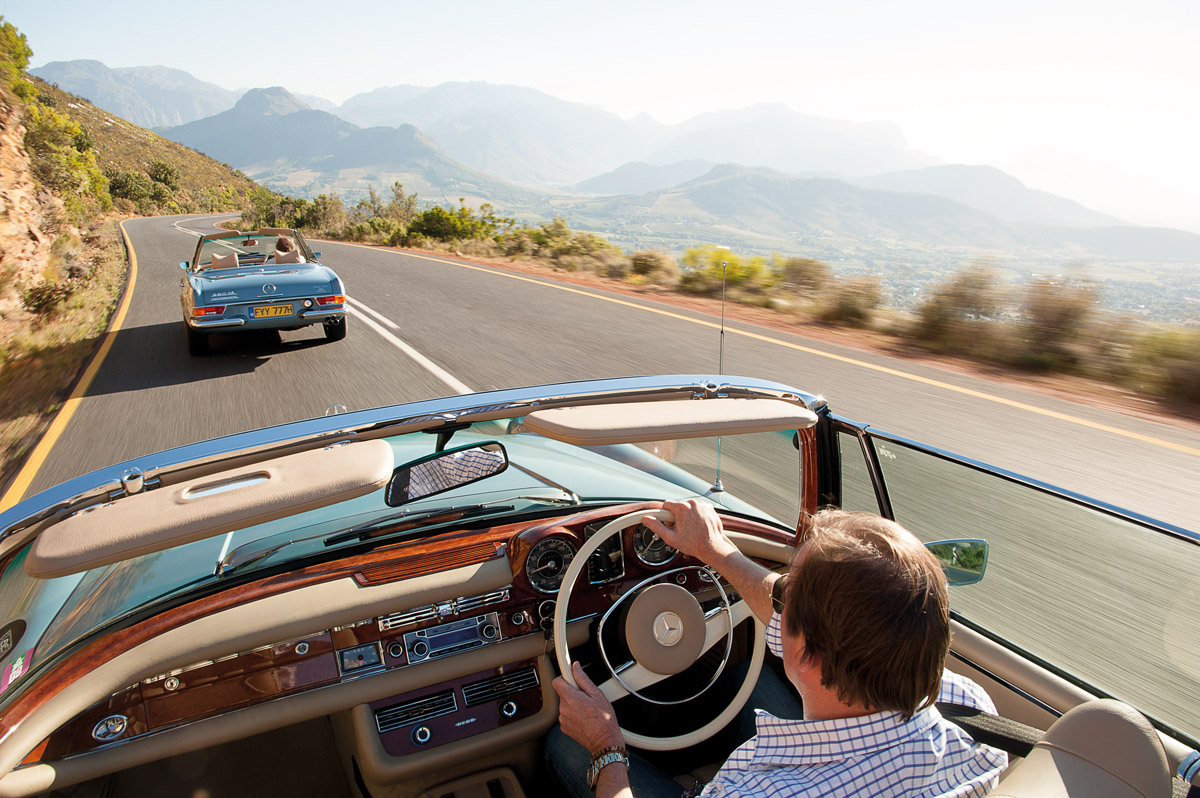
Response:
column 548, row 559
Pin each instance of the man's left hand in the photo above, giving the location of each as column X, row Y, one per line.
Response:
column 585, row 715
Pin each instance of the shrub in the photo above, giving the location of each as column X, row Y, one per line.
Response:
column 657, row 266
column 804, row 275
column 1055, row 314
column 45, row 296
column 959, row 315
column 851, row 302
column 164, row 173
column 133, row 185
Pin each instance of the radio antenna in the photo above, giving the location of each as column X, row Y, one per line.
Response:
column 721, row 355
column 717, row 487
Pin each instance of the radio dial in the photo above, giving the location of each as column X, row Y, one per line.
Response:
column 420, row 649
column 489, row 631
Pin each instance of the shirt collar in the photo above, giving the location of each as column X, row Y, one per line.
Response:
column 782, row 742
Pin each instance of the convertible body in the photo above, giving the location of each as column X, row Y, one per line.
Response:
column 375, row 603
column 236, row 281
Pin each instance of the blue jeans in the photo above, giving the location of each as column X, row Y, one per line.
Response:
column 568, row 760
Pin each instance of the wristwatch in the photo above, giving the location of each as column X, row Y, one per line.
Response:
column 603, row 759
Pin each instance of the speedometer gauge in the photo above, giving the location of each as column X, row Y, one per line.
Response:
column 547, row 563
column 650, row 548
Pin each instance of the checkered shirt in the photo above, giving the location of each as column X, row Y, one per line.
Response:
column 872, row 755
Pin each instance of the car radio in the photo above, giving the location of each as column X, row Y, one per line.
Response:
column 450, row 638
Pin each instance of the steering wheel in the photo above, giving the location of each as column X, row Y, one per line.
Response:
column 666, row 630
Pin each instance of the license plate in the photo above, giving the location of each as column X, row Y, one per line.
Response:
column 271, row 311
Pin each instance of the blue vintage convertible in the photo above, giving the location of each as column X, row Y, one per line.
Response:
column 238, row 281
column 376, row 603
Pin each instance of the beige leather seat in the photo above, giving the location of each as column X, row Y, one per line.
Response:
column 1101, row 749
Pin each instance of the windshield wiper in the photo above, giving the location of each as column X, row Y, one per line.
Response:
column 397, row 522
column 402, row 521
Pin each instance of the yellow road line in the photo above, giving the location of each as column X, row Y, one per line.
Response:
column 24, row 479
column 1083, row 422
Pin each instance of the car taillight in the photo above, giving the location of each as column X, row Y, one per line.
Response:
column 212, row 310
column 338, row 299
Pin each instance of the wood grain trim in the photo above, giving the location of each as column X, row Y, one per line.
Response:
column 111, row 646
column 432, row 562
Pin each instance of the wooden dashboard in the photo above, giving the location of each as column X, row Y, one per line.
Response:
column 422, row 636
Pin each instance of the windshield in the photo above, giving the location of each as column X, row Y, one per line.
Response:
column 249, row 249
column 757, row 475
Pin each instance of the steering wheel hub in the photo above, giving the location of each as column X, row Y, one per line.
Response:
column 668, row 628
column 665, row 629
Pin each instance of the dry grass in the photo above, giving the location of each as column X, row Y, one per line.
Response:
column 42, row 356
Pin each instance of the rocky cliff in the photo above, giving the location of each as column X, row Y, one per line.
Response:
column 27, row 215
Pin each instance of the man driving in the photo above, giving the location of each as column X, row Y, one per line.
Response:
column 862, row 626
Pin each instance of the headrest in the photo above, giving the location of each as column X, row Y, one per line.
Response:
column 228, row 261
column 287, row 257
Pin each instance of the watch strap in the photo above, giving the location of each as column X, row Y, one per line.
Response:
column 602, row 759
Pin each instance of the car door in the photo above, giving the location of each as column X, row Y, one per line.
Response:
column 1080, row 599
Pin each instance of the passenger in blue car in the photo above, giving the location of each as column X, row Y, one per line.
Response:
column 286, row 252
column 862, row 625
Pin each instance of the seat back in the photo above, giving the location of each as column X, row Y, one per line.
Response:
column 1101, row 749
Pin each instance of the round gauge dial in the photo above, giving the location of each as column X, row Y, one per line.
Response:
column 650, row 548
column 547, row 563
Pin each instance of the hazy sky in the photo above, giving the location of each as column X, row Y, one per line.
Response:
column 1085, row 86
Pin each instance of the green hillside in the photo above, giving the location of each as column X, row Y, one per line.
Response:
column 121, row 147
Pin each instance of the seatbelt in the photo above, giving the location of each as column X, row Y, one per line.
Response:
column 1008, row 735
column 1018, row 739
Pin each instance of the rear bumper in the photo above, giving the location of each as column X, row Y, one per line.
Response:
column 304, row 317
column 321, row 315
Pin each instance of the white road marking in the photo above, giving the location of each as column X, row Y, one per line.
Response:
column 379, row 317
column 360, row 310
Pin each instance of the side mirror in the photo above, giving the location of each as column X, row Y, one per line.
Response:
column 183, row 264
column 316, row 256
column 445, row 471
column 963, row 560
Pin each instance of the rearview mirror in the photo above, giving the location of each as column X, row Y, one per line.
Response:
column 445, row 471
column 963, row 561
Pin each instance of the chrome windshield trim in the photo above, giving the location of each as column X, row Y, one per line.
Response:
column 81, row 491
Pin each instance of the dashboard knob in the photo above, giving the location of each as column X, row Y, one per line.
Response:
column 396, row 649
column 420, row 649
column 508, row 709
column 421, row 735
column 518, row 619
column 489, row 631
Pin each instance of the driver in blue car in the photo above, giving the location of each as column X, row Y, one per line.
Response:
column 862, row 626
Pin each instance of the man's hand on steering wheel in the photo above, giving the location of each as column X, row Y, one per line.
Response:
column 696, row 531
column 585, row 715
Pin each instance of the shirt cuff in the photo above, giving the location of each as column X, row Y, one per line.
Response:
column 775, row 634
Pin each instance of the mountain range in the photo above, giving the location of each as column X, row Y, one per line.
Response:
column 760, row 179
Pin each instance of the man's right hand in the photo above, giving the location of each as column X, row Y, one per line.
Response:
column 696, row 531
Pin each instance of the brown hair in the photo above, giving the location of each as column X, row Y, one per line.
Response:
column 284, row 244
column 872, row 604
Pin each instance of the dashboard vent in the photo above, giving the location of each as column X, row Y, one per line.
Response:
column 432, row 611
column 410, row 712
column 427, row 613
column 487, row 599
column 499, row 686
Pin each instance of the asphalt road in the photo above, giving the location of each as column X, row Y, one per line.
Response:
column 424, row 327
